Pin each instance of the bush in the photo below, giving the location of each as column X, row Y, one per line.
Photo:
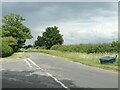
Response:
column 55, row 47
column 10, row 41
column 42, row 47
column 6, row 50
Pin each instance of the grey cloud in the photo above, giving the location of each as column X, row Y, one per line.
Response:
column 39, row 14
column 45, row 13
column 78, row 38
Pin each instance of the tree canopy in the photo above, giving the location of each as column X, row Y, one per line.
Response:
column 9, row 40
column 39, row 41
column 49, row 38
column 12, row 26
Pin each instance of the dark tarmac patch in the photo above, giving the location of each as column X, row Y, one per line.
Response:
column 24, row 79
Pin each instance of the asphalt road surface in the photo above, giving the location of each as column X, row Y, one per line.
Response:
column 45, row 71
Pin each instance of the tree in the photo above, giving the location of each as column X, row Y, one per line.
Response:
column 27, row 46
column 39, row 41
column 50, row 37
column 12, row 26
column 9, row 40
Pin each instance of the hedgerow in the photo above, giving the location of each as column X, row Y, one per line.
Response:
column 88, row 48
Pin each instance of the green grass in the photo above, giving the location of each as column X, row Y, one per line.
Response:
column 87, row 59
column 16, row 55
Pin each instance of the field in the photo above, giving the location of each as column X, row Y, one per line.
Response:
column 84, row 58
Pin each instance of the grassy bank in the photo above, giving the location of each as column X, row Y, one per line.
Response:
column 15, row 56
column 88, row 59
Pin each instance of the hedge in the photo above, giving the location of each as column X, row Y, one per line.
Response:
column 88, row 48
column 6, row 50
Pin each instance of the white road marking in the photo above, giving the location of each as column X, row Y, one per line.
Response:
column 58, row 81
column 28, row 63
column 48, row 55
column 34, row 64
column 46, row 73
column 54, row 56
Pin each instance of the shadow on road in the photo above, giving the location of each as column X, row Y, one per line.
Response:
column 25, row 79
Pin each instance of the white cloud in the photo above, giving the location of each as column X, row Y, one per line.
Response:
column 78, row 22
column 102, row 30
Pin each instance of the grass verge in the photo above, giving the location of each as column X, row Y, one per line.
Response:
column 87, row 59
column 15, row 56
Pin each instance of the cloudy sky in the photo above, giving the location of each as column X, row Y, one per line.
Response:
column 78, row 22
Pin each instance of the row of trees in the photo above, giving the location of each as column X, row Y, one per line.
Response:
column 14, row 34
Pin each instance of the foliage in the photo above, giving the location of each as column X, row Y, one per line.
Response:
column 42, row 47
column 12, row 26
column 49, row 38
column 115, row 45
column 84, row 58
column 39, row 41
column 27, row 46
column 6, row 50
column 88, row 48
column 0, row 31
column 9, row 40
column 55, row 47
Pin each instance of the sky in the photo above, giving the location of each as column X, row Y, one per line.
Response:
column 78, row 22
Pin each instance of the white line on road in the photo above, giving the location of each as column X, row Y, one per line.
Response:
column 28, row 63
column 34, row 64
column 58, row 81
column 46, row 73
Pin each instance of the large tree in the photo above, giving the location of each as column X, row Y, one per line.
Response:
column 12, row 26
column 39, row 41
column 50, row 37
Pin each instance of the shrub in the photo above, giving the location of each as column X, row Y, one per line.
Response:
column 55, row 47
column 10, row 41
column 37, row 47
column 42, row 47
column 6, row 50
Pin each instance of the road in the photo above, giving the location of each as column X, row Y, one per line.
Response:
column 46, row 71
